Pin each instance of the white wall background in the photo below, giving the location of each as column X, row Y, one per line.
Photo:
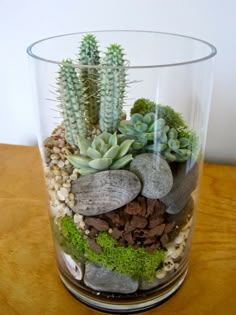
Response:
column 22, row 22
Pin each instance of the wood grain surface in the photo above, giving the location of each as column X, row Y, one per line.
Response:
column 29, row 284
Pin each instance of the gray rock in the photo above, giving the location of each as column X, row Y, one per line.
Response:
column 185, row 181
column 182, row 216
column 73, row 267
column 146, row 285
column 154, row 173
column 101, row 279
column 104, row 191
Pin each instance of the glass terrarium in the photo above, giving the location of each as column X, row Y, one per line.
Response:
column 122, row 127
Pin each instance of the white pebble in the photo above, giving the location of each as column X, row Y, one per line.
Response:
column 188, row 225
column 86, row 232
column 160, row 274
column 177, row 253
column 67, row 185
column 81, row 225
column 110, row 231
column 73, row 176
column 62, row 193
column 54, row 156
column 176, row 266
column 169, row 264
column 74, row 268
column 71, row 196
column 179, row 239
column 78, row 218
column 56, row 150
column 61, row 164
column 66, row 162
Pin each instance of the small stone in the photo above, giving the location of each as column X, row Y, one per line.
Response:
column 164, row 239
column 71, row 196
column 54, row 156
column 177, row 253
column 155, row 221
column 168, row 264
column 156, row 231
column 104, row 191
column 73, row 176
column 94, row 246
column 74, row 268
column 67, row 185
column 82, row 225
column 181, row 218
column 97, row 223
column 154, row 173
column 128, row 237
column 102, row 279
column 147, row 285
column 62, row 193
column 138, row 222
column 110, row 231
column 78, row 218
column 150, row 206
column 133, row 208
column 56, row 150
column 179, row 239
column 61, row 164
column 169, row 227
column 116, row 233
column 161, row 274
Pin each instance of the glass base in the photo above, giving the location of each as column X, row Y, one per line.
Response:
column 146, row 302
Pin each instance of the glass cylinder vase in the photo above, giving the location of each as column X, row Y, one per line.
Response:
column 122, row 126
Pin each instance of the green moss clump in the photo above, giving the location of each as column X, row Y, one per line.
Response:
column 126, row 260
column 172, row 118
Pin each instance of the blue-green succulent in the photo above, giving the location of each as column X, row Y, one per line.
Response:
column 105, row 151
column 154, row 135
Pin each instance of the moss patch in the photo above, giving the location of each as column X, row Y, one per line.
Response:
column 126, row 260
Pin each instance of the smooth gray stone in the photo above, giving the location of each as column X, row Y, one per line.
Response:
column 101, row 279
column 145, row 285
column 154, row 173
column 185, row 181
column 104, row 191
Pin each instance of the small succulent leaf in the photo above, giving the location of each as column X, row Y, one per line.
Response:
column 151, row 127
column 166, row 128
column 101, row 164
column 83, row 145
column 174, row 145
column 136, row 117
column 126, row 128
column 149, row 136
column 184, row 153
column 121, row 162
column 105, row 136
column 163, row 137
column 104, row 148
column 172, row 134
column 121, row 138
column 157, row 147
column 184, row 142
column 140, row 126
column 93, row 153
column 78, row 161
column 87, row 171
column 137, row 145
column 113, row 139
column 112, row 152
column 124, row 148
column 160, row 123
column 169, row 156
column 97, row 142
column 149, row 118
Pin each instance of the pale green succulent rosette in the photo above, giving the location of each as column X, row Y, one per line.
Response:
column 105, row 152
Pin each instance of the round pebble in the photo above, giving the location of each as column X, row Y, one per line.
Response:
column 168, row 264
column 160, row 274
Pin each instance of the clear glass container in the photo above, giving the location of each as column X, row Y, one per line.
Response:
column 122, row 127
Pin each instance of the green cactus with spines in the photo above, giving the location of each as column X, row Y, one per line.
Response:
column 172, row 118
column 72, row 99
column 112, row 88
column 154, row 135
column 89, row 55
column 106, row 151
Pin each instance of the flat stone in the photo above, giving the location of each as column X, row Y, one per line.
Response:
column 102, row 279
column 182, row 216
column 185, row 181
column 104, row 191
column 147, row 285
column 154, row 173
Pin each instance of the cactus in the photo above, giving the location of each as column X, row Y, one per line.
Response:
column 106, row 151
column 154, row 135
column 89, row 55
column 72, row 102
column 112, row 88
column 172, row 118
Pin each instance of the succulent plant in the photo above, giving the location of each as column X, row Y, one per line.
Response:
column 172, row 118
column 154, row 135
column 112, row 88
column 72, row 102
column 106, row 151
column 89, row 55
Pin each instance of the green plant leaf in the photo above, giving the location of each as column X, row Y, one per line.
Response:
column 87, row 171
column 124, row 148
column 172, row 134
column 105, row 136
column 121, row 162
column 83, row 144
column 184, row 142
column 113, row 139
column 157, row 147
column 139, row 126
column 136, row 117
column 101, row 164
column 112, row 152
column 97, row 142
column 78, row 161
column 174, row 144
column 163, row 137
column 149, row 118
column 126, row 128
column 160, row 123
column 169, row 156
column 93, row 153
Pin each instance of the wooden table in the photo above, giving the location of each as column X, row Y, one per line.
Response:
column 29, row 284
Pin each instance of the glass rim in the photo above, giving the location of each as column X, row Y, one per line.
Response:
column 213, row 51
